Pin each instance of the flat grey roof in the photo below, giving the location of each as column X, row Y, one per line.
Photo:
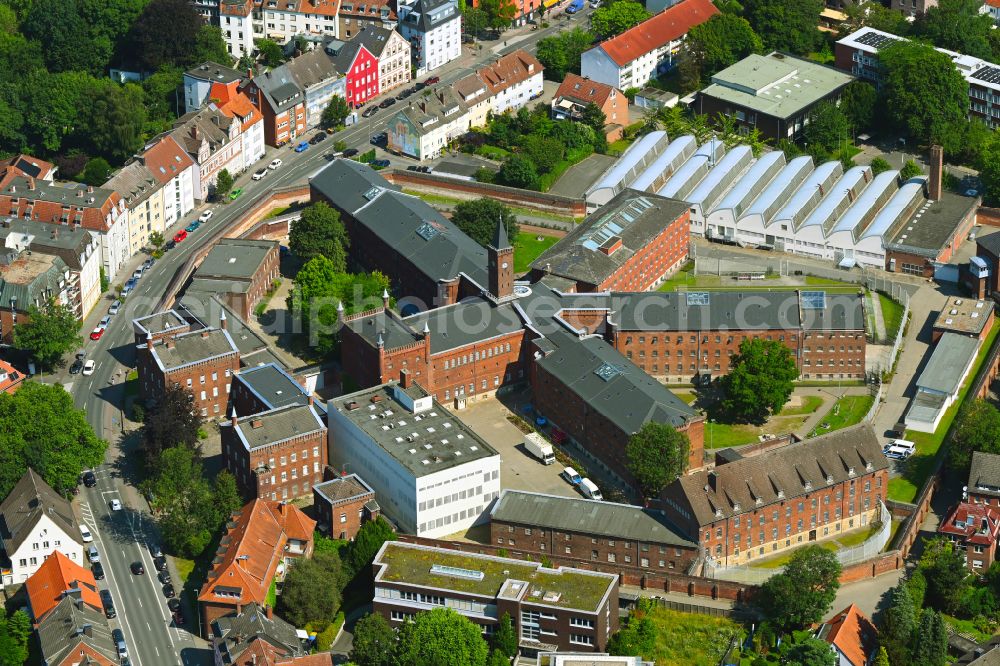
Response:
column 343, row 488
column 616, row 521
column 951, row 357
column 235, row 258
column 277, row 425
column 964, row 315
column 440, row 440
column 159, row 322
column 193, row 346
column 775, row 84
column 928, row 234
column 611, row 384
column 273, row 385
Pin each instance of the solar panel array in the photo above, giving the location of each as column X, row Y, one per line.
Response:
column 697, row 298
column 874, row 40
column 988, row 74
column 607, row 372
column 813, row 300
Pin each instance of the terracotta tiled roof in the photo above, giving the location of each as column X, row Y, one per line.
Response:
column 584, row 91
column 88, row 206
column 30, row 166
column 665, row 27
column 252, row 549
column 993, row 3
column 236, row 7
column 58, row 575
column 510, row 70
column 235, row 104
column 10, row 377
column 368, row 9
column 973, row 523
column 853, row 634
column 165, row 159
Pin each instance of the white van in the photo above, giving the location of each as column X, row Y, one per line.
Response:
column 570, row 475
column 904, row 444
column 897, row 452
column 590, row 490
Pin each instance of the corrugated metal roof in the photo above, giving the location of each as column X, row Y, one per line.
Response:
column 679, row 150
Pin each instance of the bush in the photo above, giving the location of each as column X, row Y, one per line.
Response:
column 325, row 638
column 138, row 412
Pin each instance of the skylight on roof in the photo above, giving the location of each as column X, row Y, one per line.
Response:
column 607, row 372
column 813, row 300
column 698, row 298
column 457, row 572
column 427, row 231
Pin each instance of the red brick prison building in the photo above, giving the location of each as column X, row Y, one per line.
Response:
column 601, row 399
column 279, row 454
column 753, row 507
column 158, row 326
column 552, row 609
column 239, row 271
column 608, row 536
column 342, row 505
column 630, row 244
column 202, row 362
column 265, row 387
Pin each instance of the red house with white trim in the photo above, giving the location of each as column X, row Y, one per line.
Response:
column 360, row 69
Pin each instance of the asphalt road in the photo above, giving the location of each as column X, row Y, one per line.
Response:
column 123, row 536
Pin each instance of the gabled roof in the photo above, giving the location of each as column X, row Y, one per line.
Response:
column 72, row 632
column 166, row 159
column 425, row 15
column 30, row 499
column 60, row 577
column 852, row 634
column 31, row 166
column 667, row 26
column 583, row 91
column 510, row 70
column 780, row 474
column 256, row 637
column 345, row 56
column 279, row 88
column 312, row 67
column 375, row 38
column 251, row 550
column 235, row 104
column 984, row 474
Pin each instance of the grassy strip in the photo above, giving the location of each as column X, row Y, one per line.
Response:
column 517, row 210
column 810, row 403
column 272, row 594
column 527, row 247
column 575, row 156
column 847, row 411
column 921, row 464
column 690, row 638
column 892, row 315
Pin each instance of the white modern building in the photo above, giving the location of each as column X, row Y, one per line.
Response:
column 434, row 30
column 35, row 521
column 646, row 51
column 431, row 473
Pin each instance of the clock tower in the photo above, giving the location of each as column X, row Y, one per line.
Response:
column 501, row 268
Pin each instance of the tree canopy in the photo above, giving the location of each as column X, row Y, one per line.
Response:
column 223, row 184
column 499, row 14
column 811, row 652
column 49, row 333
column 519, row 171
column 335, row 112
column 505, row 637
column 802, row 593
column 957, row 25
column 374, row 642
column 311, row 591
column 44, row 430
column 874, row 15
column 760, row 380
column 478, row 219
column 786, row 25
column 171, row 422
column 931, row 641
column 361, row 552
column 615, row 18
column 320, row 231
column 898, row 624
column 166, row 32
column 923, row 95
column 828, row 128
column 657, row 455
column 858, row 101
column 944, row 569
column 977, row 428
column 989, row 170
column 441, row 637
column 720, row 42
column 560, row 53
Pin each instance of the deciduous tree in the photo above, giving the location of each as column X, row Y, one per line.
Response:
column 478, row 219
column 183, row 502
column 593, row 117
column 505, row 637
column 519, row 171
column 336, row 112
column 474, row 20
column 786, row 25
column 811, row 652
column 760, row 380
column 977, row 428
column 616, row 18
column 96, row 172
column 657, row 455
column 910, row 170
column 874, row 15
column 166, row 32
column 48, row 334
column 441, row 637
column 804, row 591
column 828, row 127
column 879, row 165
column 561, row 53
column 944, row 568
column 114, row 118
column 269, row 52
column 499, row 13
column 320, row 231
column 223, row 183
column 858, row 102
column 361, row 552
column 171, row 421
column 722, row 41
column 957, row 25
column 374, row 642
column 311, row 591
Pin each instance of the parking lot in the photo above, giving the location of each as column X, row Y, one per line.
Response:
column 519, row 469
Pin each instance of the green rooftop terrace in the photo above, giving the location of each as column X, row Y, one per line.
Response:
column 578, row 590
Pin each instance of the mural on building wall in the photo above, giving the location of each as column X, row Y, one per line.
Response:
column 403, row 136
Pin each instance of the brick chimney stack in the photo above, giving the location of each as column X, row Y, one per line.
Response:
column 404, row 378
column 937, row 172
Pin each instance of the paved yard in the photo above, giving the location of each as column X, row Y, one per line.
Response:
column 580, row 176
column 519, row 469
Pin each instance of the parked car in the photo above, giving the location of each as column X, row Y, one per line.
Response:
column 89, row 479
column 155, row 550
column 386, row 103
column 380, row 163
column 85, row 533
column 259, row 174
column 115, row 307
column 379, row 139
column 235, row 193
column 193, row 227
column 431, row 80
column 160, row 563
column 93, row 555
column 302, row 147
column 571, row 475
column 108, row 603
column 97, row 570
column 163, row 577
column 317, row 138
column 88, row 367
column 180, row 236
column 275, row 163
column 350, row 152
column 146, row 265
column 119, row 639
column 76, row 367
column 137, row 273
column 168, row 591
column 97, row 333
column 369, row 112
column 205, row 217
column 116, row 505
column 105, row 321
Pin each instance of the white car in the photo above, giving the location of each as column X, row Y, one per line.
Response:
column 258, row 175
column 275, row 163
column 88, row 367
column 87, row 536
column 116, row 505
column 205, row 217
column 104, row 322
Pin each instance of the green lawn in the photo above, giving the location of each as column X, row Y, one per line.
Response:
column 781, row 560
column 272, row 594
column 184, row 568
column 892, row 314
column 451, row 202
column 814, row 281
column 810, row 403
column 921, row 464
column 689, row 639
column 527, row 247
column 724, row 435
column 967, row 627
column 689, row 398
column 686, row 278
column 847, row 411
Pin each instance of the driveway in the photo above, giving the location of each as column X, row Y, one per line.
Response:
column 581, row 176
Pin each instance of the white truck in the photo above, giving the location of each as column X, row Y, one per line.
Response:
column 538, row 447
column 590, row 490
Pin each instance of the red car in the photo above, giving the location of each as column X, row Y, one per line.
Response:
column 432, row 80
column 97, row 333
column 180, row 235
